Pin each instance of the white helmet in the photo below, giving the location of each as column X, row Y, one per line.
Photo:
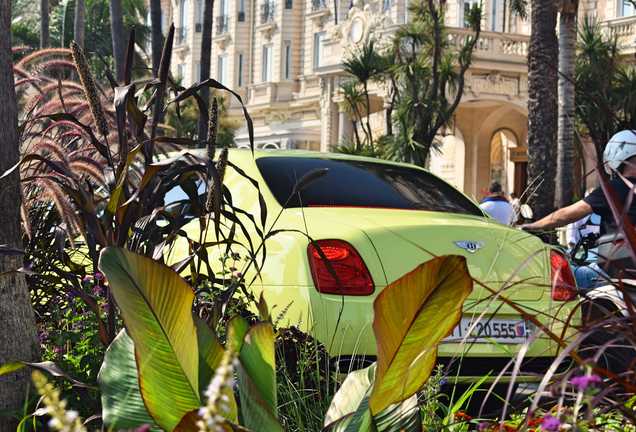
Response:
column 620, row 147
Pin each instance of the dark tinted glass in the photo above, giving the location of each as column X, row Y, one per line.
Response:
column 361, row 184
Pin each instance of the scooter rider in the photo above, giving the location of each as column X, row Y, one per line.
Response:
column 619, row 155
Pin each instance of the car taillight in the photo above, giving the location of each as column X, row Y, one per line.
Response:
column 351, row 274
column 563, row 282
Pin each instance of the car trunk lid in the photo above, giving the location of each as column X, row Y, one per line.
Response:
column 497, row 256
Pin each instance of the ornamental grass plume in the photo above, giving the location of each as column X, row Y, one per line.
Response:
column 213, row 199
column 213, row 416
column 213, row 126
column 62, row 420
column 90, row 89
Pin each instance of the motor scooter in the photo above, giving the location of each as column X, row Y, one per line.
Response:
column 607, row 303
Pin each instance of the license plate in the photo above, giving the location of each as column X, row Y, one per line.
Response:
column 485, row 330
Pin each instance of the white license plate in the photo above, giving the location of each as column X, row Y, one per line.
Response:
column 485, row 330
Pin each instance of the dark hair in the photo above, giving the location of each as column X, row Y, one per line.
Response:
column 495, row 187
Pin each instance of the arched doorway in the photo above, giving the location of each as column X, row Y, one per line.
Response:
column 508, row 162
column 448, row 160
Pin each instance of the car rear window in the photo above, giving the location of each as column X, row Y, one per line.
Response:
column 352, row 183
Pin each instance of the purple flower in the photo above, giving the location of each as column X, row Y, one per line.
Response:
column 87, row 280
column 99, row 276
column 582, row 382
column 97, row 290
column 59, row 350
column 143, row 428
column 72, row 294
column 43, row 336
column 550, row 423
column 483, row 426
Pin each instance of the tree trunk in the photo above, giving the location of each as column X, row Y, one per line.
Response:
column 18, row 338
column 565, row 141
column 542, row 105
column 78, row 23
column 157, row 35
column 205, row 59
column 117, row 34
column 44, row 24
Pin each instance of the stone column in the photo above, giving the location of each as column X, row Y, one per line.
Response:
column 327, row 112
column 345, row 128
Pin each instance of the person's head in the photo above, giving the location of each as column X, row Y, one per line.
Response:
column 620, row 151
column 495, row 188
column 513, row 195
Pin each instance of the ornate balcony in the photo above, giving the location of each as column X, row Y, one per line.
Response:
column 624, row 30
column 491, row 46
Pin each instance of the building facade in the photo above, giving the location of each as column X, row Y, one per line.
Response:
column 284, row 57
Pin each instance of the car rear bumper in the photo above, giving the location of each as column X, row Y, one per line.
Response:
column 472, row 369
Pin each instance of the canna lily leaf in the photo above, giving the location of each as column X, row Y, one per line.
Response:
column 349, row 409
column 210, row 356
column 155, row 304
column 412, row 315
column 257, row 379
column 122, row 405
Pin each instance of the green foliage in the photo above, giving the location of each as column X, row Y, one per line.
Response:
column 411, row 316
column 605, row 86
column 424, row 73
column 173, row 353
column 122, row 405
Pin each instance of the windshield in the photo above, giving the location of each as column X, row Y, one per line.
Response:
column 351, row 183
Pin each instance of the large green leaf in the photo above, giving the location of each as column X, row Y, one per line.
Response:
column 412, row 315
column 122, row 406
column 155, row 304
column 210, row 355
column 257, row 379
column 349, row 409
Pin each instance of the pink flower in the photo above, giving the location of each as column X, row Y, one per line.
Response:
column 582, row 382
column 550, row 423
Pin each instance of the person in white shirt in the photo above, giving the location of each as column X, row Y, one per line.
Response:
column 496, row 205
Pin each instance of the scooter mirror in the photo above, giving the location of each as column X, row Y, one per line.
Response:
column 526, row 211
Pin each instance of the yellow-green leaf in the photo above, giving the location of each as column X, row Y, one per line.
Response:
column 156, row 304
column 257, row 379
column 412, row 315
column 122, row 406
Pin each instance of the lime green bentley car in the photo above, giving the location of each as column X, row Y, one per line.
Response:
column 374, row 221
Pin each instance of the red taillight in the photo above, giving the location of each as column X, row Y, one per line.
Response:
column 352, row 275
column 563, row 282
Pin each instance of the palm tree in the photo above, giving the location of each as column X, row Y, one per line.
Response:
column 157, row 34
column 354, row 99
column 206, row 55
column 565, row 141
column 365, row 65
column 44, row 23
column 428, row 77
column 18, row 338
column 605, row 86
column 542, row 103
column 79, row 22
column 117, row 34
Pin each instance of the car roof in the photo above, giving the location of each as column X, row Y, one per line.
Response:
column 245, row 154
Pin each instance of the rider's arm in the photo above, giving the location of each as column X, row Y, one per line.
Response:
column 561, row 217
